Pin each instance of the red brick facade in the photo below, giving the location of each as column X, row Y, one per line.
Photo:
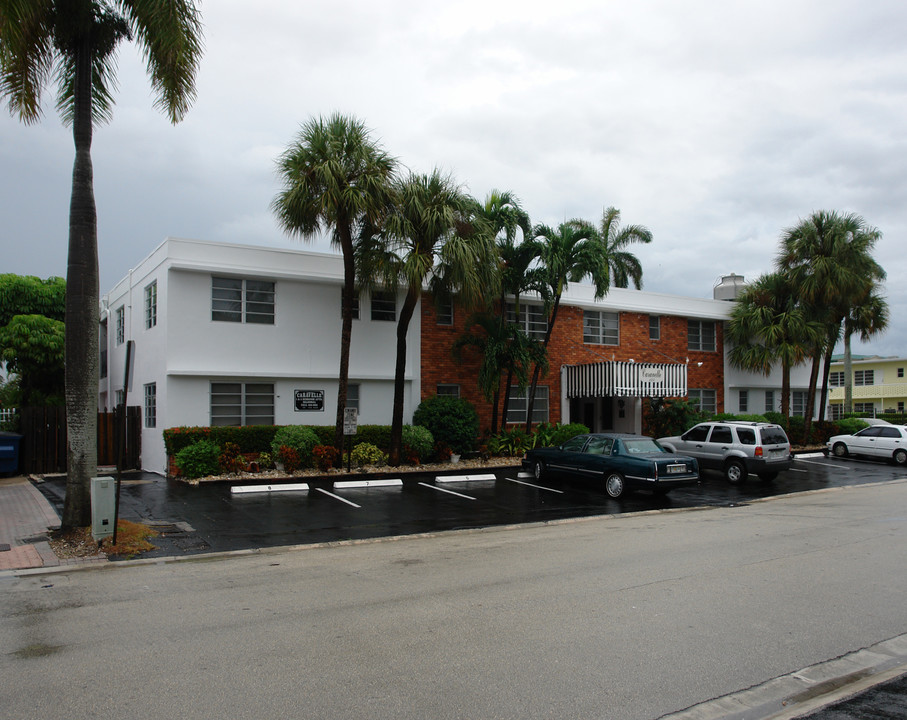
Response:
column 567, row 348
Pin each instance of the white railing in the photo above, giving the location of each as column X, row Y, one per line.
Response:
column 7, row 414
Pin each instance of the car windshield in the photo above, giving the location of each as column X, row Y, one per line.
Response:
column 773, row 436
column 643, row 445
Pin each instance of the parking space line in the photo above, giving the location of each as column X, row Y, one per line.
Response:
column 540, row 487
column 811, row 462
column 445, row 490
column 337, row 497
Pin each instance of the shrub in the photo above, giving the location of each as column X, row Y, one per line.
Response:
column 265, row 460
column 231, row 459
column 289, row 457
column 848, row 426
column 325, row 457
column 299, row 437
column 368, row 454
column 673, row 416
column 419, row 441
column 452, row 421
column 559, row 434
column 199, row 459
column 509, row 442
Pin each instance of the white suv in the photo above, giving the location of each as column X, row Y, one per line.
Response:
column 735, row 448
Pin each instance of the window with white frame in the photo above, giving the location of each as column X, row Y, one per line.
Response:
column 743, row 400
column 601, row 328
column 519, row 401
column 798, row 403
column 706, row 398
column 837, row 411
column 531, row 319
column 352, row 396
column 769, row 401
column 836, row 379
column 654, row 327
column 239, row 403
column 384, row 306
column 242, row 301
column 448, row 389
column 151, row 305
column 119, row 397
column 151, row 405
column 121, row 324
column 701, row 335
column 445, row 311
column 863, row 377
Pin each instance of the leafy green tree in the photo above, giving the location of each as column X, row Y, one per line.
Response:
column 769, row 324
column 72, row 44
column 336, row 178
column 623, row 266
column 829, row 258
column 867, row 317
column 433, row 235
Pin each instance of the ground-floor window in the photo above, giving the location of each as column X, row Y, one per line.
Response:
column 743, row 400
column 238, row 403
column 836, row 411
column 707, row 399
column 151, row 405
column 451, row 390
column 352, row 396
column 864, row 408
column 769, row 401
column 519, row 399
column 798, row 403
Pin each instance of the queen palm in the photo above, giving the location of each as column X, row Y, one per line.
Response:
column 71, row 44
column 338, row 179
column 866, row 317
column 433, row 236
column 768, row 324
column 828, row 257
column 623, row 266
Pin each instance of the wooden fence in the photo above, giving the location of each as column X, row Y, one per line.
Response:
column 43, row 447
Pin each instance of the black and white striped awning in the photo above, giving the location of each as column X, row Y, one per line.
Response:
column 626, row 379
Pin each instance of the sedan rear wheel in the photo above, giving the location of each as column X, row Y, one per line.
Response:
column 538, row 469
column 900, row 457
column 840, row 450
column 614, row 485
column 734, row 471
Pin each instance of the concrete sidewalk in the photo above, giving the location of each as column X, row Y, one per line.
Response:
column 25, row 519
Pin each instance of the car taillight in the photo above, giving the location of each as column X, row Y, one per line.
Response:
column 758, row 452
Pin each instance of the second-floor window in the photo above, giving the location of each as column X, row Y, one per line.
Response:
column 531, row 319
column 836, row 379
column 601, row 328
column 701, row 335
column 151, row 305
column 445, row 312
column 863, row 377
column 243, row 301
column 654, row 327
column 121, row 325
column 384, row 306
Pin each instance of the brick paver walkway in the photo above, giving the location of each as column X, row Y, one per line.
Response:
column 24, row 514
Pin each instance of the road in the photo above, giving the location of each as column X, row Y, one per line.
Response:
column 623, row 617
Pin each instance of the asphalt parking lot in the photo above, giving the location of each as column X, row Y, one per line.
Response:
column 210, row 518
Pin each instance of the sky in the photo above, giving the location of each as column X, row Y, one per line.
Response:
column 717, row 125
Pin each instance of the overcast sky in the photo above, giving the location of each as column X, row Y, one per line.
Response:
column 715, row 124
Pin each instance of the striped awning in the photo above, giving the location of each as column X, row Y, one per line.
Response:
column 626, row 379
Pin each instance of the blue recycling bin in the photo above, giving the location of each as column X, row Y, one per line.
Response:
column 9, row 451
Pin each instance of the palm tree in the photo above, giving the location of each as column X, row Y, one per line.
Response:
column 768, row 324
column 867, row 317
column 622, row 265
column 338, row 179
column 432, row 236
column 570, row 253
column 72, row 44
column 829, row 259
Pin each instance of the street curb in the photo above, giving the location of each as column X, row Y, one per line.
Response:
column 809, row 689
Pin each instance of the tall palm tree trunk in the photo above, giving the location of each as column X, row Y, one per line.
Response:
column 82, row 293
column 811, row 396
column 406, row 315
column 826, row 371
column 346, row 332
column 848, row 375
column 785, row 393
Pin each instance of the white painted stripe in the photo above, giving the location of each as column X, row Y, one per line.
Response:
column 464, row 478
column 809, row 455
column 525, row 474
column 391, row 482
column 449, row 492
column 540, row 487
column 337, row 497
column 810, row 462
column 287, row 487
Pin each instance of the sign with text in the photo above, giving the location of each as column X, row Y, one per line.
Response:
column 309, row 400
column 350, row 421
column 651, row 374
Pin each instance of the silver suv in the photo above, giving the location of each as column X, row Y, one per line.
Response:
column 735, row 448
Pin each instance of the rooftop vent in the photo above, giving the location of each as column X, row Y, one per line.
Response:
column 729, row 288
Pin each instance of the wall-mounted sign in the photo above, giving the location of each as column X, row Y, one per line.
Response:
column 309, row 400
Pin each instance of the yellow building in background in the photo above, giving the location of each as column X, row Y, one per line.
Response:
column 879, row 385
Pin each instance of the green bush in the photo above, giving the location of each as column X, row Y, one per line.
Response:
column 368, row 454
column 299, row 437
column 249, row 438
column 451, row 421
column 419, row 440
column 848, row 426
column 199, row 460
column 509, row 442
column 562, row 433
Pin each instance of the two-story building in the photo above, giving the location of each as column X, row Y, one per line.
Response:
column 879, row 385
column 225, row 334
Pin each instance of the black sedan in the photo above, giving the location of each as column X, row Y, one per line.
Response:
column 619, row 461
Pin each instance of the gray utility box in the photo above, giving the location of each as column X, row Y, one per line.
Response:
column 103, row 506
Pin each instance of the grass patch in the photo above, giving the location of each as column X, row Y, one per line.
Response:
column 132, row 540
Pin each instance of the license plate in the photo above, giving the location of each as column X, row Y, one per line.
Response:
column 674, row 469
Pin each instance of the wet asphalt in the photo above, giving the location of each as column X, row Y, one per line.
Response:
column 209, row 518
